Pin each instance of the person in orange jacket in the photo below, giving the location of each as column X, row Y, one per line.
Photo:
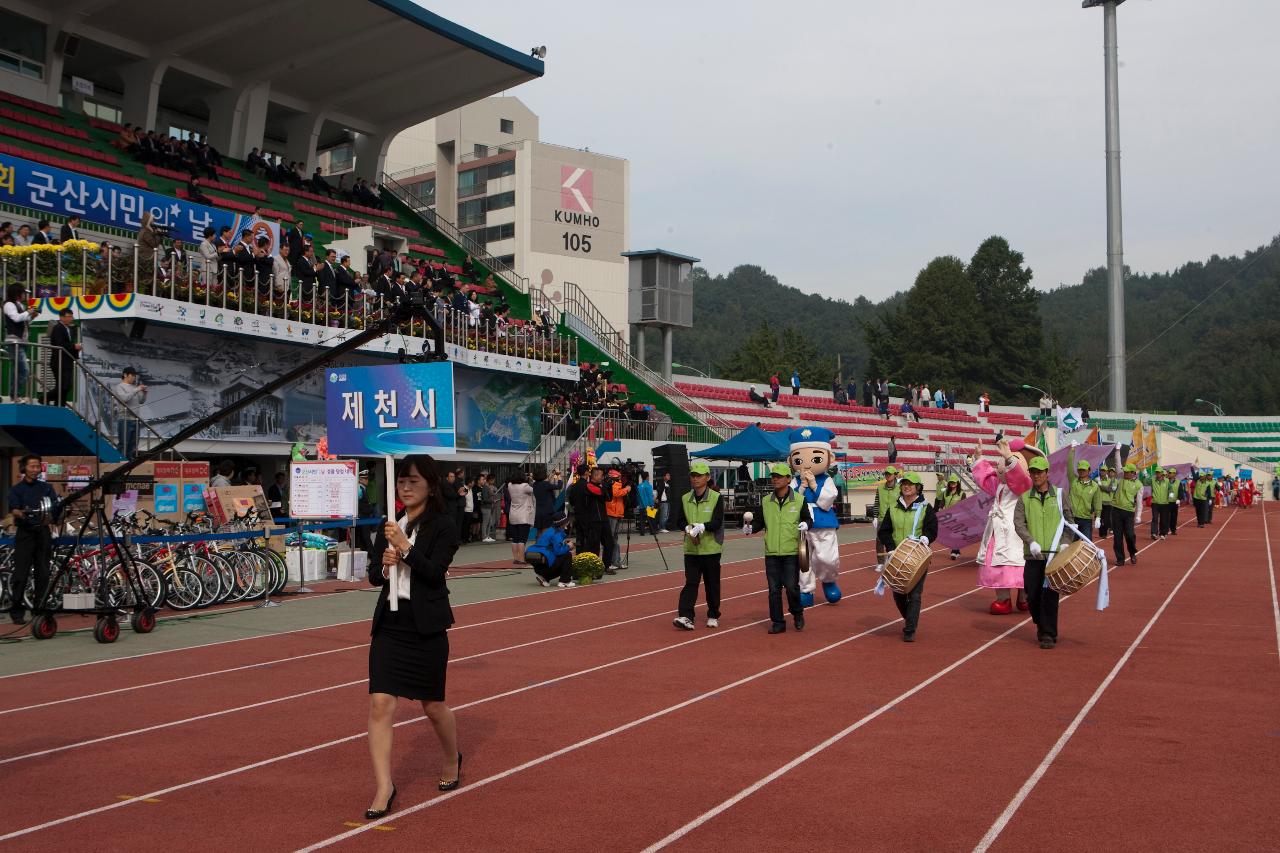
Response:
column 616, row 509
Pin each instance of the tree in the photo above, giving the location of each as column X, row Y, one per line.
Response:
column 1011, row 313
column 765, row 352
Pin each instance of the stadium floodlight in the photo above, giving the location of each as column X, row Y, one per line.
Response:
column 1217, row 410
column 1043, row 392
column 689, row 367
column 540, row 52
column 1115, row 232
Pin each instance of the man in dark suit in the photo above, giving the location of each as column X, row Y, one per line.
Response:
column 42, row 233
column 63, row 358
column 297, row 239
column 328, row 279
column 243, row 256
column 70, row 229
column 346, row 280
column 304, row 270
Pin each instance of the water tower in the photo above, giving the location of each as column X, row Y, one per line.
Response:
column 659, row 294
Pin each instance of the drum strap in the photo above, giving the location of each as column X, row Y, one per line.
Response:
column 915, row 523
column 1104, row 587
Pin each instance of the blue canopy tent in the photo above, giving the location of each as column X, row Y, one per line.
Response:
column 751, row 445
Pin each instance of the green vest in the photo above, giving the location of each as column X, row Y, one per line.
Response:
column 905, row 521
column 1159, row 492
column 1127, row 492
column 781, row 535
column 949, row 499
column 700, row 512
column 887, row 496
column 1085, row 499
column 1201, row 489
column 1043, row 518
column 1105, row 485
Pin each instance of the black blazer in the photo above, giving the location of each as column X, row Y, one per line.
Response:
column 67, row 233
column 428, row 560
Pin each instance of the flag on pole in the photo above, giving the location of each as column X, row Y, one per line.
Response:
column 1093, row 437
column 1137, row 448
column 1153, row 454
column 1070, row 422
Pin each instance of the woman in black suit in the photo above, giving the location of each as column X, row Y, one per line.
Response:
column 410, row 649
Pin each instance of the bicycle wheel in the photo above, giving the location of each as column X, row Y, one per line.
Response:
column 184, row 588
column 235, row 586
column 251, row 574
column 281, row 571
column 119, row 593
column 210, row 579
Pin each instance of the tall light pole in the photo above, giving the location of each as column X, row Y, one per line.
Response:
column 1115, row 231
column 689, row 367
column 1217, row 410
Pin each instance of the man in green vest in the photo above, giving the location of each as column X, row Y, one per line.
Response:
column 1159, row 500
column 783, row 517
column 1123, row 506
column 1039, row 522
column 1107, row 488
column 703, row 542
column 886, row 495
column 1177, row 494
column 909, row 517
column 1084, row 501
column 1201, row 495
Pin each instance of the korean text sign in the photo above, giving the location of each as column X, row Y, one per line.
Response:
column 390, row 410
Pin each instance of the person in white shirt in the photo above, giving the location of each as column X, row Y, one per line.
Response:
column 131, row 394
column 281, row 269
column 17, row 323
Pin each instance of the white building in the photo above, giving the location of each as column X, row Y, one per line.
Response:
column 556, row 215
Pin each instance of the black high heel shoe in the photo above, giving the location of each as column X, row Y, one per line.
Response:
column 453, row 786
column 374, row 814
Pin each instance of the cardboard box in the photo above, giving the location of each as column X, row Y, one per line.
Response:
column 315, row 566
column 352, row 565
column 231, row 502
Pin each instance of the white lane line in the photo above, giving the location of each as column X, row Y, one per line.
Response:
column 1271, row 574
column 497, row 777
column 273, row 634
column 349, row 738
column 831, row 741
column 1034, row 779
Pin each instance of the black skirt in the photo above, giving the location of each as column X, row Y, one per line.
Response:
column 403, row 662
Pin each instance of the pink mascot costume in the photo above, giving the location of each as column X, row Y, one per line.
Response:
column 1000, row 553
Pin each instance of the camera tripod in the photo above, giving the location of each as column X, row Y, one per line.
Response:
column 631, row 522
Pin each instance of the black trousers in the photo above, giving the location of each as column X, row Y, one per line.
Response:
column 1157, row 518
column 1201, row 512
column 1173, row 518
column 563, row 566
column 783, row 573
column 1122, row 533
column 703, row 568
column 31, row 550
column 909, row 606
column 1041, row 600
column 1085, row 526
column 1167, row 514
column 590, row 536
column 1106, row 521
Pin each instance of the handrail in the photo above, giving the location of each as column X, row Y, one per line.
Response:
column 472, row 248
column 539, row 454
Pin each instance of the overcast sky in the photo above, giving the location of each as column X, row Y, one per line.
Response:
column 842, row 145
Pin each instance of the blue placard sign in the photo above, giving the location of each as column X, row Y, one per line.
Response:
column 394, row 409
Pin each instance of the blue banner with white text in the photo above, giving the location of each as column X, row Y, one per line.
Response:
column 64, row 193
column 390, row 410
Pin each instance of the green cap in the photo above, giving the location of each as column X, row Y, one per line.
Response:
column 779, row 469
column 1038, row 463
column 1173, row 471
column 911, row 477
column 1130, row 468
column 953, row 479
column 890, row 470
column 699, row 467
column 1082, row 465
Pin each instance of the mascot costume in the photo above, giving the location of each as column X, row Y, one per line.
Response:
column 810, row 457
column 1001, row 551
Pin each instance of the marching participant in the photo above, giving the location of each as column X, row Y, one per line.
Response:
column 1177, row 490
column 703, row 543
column 952, row 496
column 784, row 517
column 909, row 517
column 1123, row 505
column 1107, row 487
column 1085, row 498
column 1040, row 524
column 886, row 495
column 1001, row 550
column 810, row 457
column 1159, row 505
column 1200, row 497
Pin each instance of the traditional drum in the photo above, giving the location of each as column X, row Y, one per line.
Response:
column 906, row 566
column 1073, row 567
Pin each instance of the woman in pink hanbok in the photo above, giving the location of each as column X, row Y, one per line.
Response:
column 1000, row 555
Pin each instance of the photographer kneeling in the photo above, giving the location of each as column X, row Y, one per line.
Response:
column 552, row 555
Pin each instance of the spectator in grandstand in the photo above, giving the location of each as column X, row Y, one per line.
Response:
column 296, row 238
column 256, row 163
column 909, row 410
column 1046, row 406
column 851, row 392
column 926, row 398
column 70, row 229
column 319, row 184
column 208, row 254
column 305, row 271
column 939, row 398
column 130, row 394
column 984, row 402
column 837, row 385
column 756, row 397
column 327, row 277
column 147, row 240
column 226, row 252
column 892, row 451
column 6, row 230
column 281, row 271
column 775, row 387
column 175, row 262
column 23, row 235
column 409, row 653
column 795, row 383
column 42, row 235
column 194, row 193
column 344, row 280
column 126, row 140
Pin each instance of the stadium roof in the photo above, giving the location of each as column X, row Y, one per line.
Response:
column 368, row 65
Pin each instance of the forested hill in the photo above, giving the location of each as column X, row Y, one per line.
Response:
column 748, row 324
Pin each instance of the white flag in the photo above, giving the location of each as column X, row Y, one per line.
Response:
column 1070, row 421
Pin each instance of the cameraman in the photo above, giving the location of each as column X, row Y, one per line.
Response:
column 33, row 541
column 616, row 509
column 589, row 497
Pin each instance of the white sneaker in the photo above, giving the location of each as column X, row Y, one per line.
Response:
column 569, row 585
column 490, row 539
column 713, row 623
column 683, row 622
column 541, row 580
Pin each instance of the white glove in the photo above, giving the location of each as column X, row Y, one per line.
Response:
column 688, row 530
column 746, row 529
column 1075, row 443
column 1035, row 549
column 1097, row 524
column 875, row 524
column 697, row 530
column 803, row 526
column 924, row 540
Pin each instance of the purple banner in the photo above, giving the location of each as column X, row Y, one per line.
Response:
column 962, row 525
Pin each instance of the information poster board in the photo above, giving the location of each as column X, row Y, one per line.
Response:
column 322, row 489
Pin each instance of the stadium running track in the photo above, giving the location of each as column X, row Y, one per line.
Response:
column 589, row 723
